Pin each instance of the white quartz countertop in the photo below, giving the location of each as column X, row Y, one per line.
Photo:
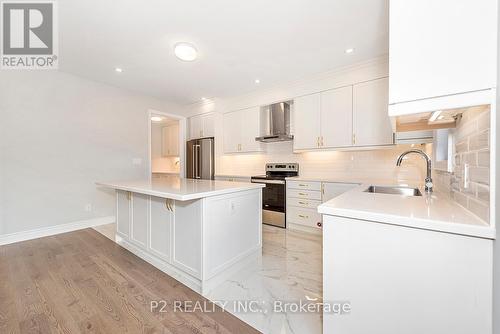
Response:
column 181, row 189
column 435, row 212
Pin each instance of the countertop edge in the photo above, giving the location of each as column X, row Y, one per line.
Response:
column 161, row 194
column 485, row 232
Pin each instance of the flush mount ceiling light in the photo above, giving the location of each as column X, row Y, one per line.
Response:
column 185, row 51
column 156, row 118
column 349, row 50
column 257, row 81
column 118, row 69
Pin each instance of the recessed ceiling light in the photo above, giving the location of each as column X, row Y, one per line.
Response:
column 257, row 81
column 156, row 118
column 349, row 50
column 204, row 99
column 118, row 69
column 435, row 115
column 185, row 51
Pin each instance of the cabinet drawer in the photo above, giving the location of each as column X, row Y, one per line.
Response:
column 301, row 216
column 303, row 203
column 297, row 193
column 304, row 185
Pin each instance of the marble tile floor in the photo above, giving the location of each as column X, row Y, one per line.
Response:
column 289, row 271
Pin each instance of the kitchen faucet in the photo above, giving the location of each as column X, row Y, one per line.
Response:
column 428, row 179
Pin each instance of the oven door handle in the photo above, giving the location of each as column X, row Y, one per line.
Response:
column 269, row 181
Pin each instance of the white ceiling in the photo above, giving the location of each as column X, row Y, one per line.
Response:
column 238, row 41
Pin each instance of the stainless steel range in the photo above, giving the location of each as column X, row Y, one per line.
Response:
column 274, row 194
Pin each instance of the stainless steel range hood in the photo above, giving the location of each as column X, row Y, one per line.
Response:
column 276, row 125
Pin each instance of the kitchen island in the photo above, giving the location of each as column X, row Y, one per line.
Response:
column 197, row 231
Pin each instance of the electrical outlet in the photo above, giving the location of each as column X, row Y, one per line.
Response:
column 88, row 207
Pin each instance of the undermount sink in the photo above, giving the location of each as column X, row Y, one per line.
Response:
column 405, row 191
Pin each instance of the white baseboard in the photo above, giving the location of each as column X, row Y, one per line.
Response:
column 53, row 230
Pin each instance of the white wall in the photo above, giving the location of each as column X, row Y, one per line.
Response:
column 496, row 245
column 59, row 134
column 380, row 163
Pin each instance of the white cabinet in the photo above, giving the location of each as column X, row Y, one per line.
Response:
column 336, row 118
column 303, row 199
column 201, row 126
column 160, row 227
column 170, row 140
column 396, row 277
column 123, row 208
column 140, row 218
column 349, row 116
column 332, row 190
column 240, row 129
column 323, row 120
column 307, row 121
column 439, row 49
column 371, row 122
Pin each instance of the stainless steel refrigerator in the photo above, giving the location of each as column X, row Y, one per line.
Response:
column 200, row 159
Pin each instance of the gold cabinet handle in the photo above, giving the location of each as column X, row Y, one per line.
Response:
column 129, row 195
column 303, row 203
column 302, row 194
column 302, row 216
column 169, row 205
column 322, row 141
column 354, row 138
column 302, row 185
column 317, row 141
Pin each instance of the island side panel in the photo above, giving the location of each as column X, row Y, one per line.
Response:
column 186, row 236
column 232, row 229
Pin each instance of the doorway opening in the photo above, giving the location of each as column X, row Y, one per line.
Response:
column 166, row 144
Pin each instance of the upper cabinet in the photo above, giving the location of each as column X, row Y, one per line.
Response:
column 240, row 129
column 336, row 117
column 371, row 123
column 201, row 126
column 343, row 117
column 317, row 114
column 442, row 54
column 307, row 121
column 170, row 140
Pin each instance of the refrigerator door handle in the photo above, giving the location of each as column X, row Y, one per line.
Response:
column 192, row 162
column 197, row 164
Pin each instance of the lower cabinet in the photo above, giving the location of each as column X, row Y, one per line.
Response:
column 123, row 210
column 334, row 189
column 148, row 223
column 160, row 227
column 405, row 280
column 303, row 199
column 140, row 218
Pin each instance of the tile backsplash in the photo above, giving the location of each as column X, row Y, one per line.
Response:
column 469, row 183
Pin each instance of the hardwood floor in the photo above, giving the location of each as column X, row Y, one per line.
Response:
column 82, row 282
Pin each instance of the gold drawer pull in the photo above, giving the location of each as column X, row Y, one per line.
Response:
column 302, row 216
column 303, row 194
column 303, row 203
column 302, row 185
